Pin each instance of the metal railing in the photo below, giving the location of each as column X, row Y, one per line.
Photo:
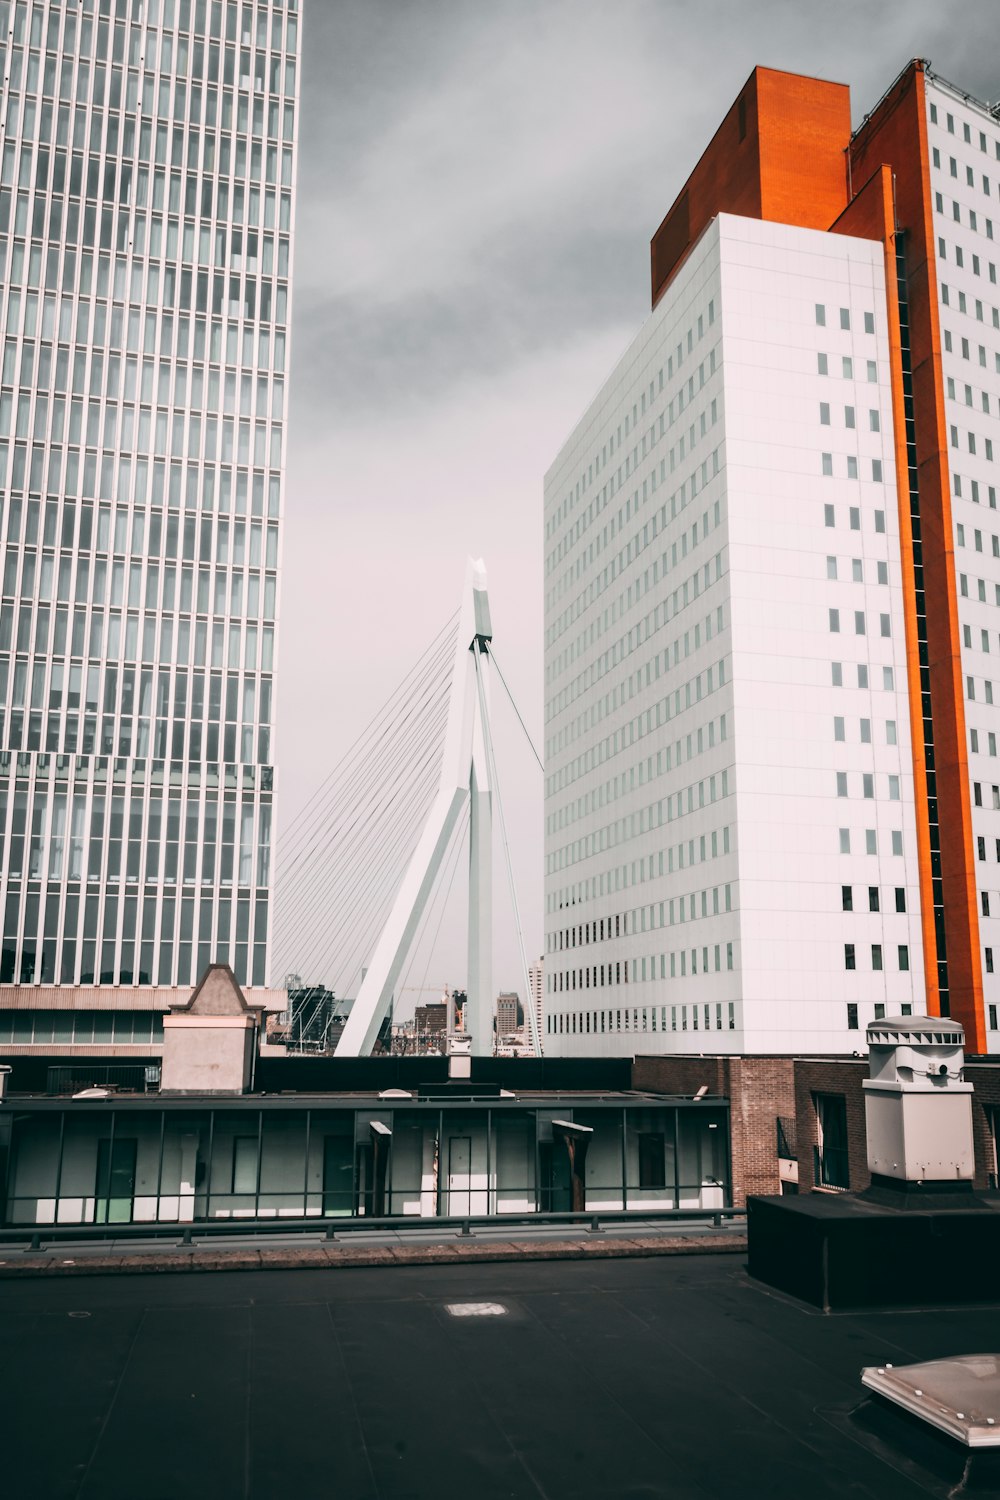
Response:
column 120, row 1078
column 331, row 1228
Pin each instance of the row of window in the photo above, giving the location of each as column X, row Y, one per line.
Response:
column 860, row 622
column 156, row 773
column 72, row 76
column 676, row 455
column 51, row 121
column 713, row 901
column 850, row 417
column 844, row 320
column 902, row 956
column 151, row 535
column 641, row 774
column 79, row 1027
column 966, row 130
column 643, row 1018
column 871, row 841
column 116, row 371
column 699, row 325
column 214, row 20
column 956, row 214
column 672, row 557
column 100, row 635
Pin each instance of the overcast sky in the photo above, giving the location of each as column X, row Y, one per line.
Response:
column 478, row 183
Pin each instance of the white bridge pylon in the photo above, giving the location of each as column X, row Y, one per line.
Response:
column 468, row 775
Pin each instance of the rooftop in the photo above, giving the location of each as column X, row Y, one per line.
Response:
column 574, row 1380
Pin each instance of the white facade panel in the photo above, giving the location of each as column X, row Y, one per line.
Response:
column 722, row 784
column 964, row 144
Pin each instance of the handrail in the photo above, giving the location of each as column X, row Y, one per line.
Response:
column 331, row 1227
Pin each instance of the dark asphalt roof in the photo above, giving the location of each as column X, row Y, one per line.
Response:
column 626, row 1379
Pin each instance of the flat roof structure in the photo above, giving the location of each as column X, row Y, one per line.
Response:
column 573, row 1380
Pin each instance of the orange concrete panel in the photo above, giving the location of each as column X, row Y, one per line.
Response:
column 779, row 154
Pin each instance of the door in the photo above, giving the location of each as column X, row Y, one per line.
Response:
column 555, row 1193
column 115, row 1188
column 459, row 1168
column 338, row 1175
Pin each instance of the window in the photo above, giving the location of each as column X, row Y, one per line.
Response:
column 859, row 622
column 989, row 960
column 845, row 840
column 845, row 318
column 847, row 897
column 847, row 368
column 822, row 364
column 873, row 421
column 828, row 470
column 245, row 1164
column 869, row 322
column 904, row 956
column 900, row 898
column 835, row 620
column 873, row 898
column 824, row 413
column 828, row 516
column 855, row 518
column 871, row 842
column 831, row 1147
column 849, row 956
column 831, row 567
column 857, row 570
column 876, row 956
column 877, row 470
column 984, row 897
column 841, row 783
column 820, row 314
column 652, row 1160
column 838, row 729
column 848, row 416
column 852, row 1017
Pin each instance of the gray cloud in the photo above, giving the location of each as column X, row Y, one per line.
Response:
column 477, row 189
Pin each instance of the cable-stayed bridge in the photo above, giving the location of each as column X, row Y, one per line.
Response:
column 366, row 867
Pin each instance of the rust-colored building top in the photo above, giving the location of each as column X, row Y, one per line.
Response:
column 779, row 154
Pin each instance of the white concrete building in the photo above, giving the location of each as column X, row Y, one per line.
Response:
column 730, row 836
column 964, row 146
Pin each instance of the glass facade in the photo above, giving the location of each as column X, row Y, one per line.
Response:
column 292, row 1160
column 146, row 202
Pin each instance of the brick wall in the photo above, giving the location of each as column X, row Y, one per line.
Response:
column 985, row 1079
column 844, row 1077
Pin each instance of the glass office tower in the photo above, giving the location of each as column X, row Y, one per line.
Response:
column 146, row 201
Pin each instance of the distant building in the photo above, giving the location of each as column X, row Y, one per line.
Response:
column 536, row 984
column 509, row 1014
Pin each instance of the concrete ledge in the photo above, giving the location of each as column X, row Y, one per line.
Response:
column 313, row 1257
